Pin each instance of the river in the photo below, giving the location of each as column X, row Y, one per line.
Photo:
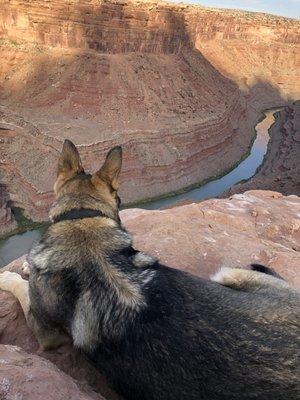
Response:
column 17, row 245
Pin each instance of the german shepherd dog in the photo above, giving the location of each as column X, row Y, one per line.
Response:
column 155, row 332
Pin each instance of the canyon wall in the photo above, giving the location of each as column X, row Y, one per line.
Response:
column 7, row 222
column 281, row 168
column 180, row 87
column 258, row 51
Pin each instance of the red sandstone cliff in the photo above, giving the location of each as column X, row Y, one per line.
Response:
column 178, row 86
column 281, row 168
column 7, row 222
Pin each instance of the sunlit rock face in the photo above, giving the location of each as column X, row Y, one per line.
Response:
column 180, row 87
column 254, row 227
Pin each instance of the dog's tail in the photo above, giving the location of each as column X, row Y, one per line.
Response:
column 264, row 270
column 251, row 277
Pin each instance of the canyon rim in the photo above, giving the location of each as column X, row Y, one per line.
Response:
column 181, row 87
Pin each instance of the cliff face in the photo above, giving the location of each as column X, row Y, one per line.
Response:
column 281, row 168
column 242, row 45
column 7, row 222
column 179, row 87
column 258, row 51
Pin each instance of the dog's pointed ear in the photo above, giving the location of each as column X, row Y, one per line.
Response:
column 69, row 162
column 110, row 170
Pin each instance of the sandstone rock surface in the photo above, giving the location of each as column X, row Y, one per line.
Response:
column 28, row 376
column 258, row 226
column 180, row 87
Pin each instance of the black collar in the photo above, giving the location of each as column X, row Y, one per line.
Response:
column 78, row 214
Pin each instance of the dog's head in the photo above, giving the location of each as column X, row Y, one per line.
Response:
column 96, row 191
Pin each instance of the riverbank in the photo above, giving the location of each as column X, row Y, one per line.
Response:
column 24, row 224
column 20, row 223
column 19, row 244
column 213, row 187
column 280, row 170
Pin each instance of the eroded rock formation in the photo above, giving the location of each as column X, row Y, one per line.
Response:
column 180, row 87
column 281, row 168
column 258, row 226
column 7, row 222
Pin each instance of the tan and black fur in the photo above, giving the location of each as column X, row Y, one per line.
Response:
column 155, row 332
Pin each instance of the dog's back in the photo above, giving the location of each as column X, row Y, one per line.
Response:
column 157, row 333
column 196, row 339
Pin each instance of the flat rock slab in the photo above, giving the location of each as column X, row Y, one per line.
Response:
column 257, row 226
column 254, row 227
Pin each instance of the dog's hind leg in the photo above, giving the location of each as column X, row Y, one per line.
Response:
column 256, row 277
column 47, row 337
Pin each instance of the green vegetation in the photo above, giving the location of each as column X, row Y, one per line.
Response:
column 22, row 45
column 194, row 185
column 24, row 224
column 10, row 42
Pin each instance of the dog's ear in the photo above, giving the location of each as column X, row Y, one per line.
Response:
column 110, row 170
column 69, row 162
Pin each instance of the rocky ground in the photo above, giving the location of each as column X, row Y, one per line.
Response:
column 281, row 167
column 257, row 226
column 180, row 87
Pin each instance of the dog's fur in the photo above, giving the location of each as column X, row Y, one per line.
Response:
column 155, row 332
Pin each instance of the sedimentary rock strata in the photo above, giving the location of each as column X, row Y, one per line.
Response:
column 180, row 87
column 258, row 226
column 7, row 222
column 281, row 167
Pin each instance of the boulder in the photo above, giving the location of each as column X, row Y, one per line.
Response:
column 28, row 376
column 14, row 331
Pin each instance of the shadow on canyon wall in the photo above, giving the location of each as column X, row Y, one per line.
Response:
column 168, row 36
column 112, row 34
column 4, row 196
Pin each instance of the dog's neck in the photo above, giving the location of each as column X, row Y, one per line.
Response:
column 78, row 214
column 81, row 206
